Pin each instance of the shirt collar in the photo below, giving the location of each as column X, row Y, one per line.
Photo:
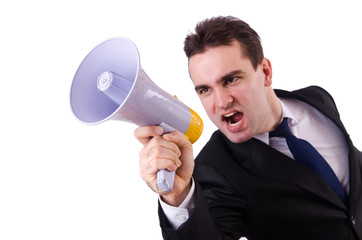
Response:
column 286, row 113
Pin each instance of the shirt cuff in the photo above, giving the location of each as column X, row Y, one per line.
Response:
column 178, row 215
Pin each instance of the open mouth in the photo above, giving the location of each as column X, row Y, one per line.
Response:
column 233, row 118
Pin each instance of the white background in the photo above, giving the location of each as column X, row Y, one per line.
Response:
column 60, row 179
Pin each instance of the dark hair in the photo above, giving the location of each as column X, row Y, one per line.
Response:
column 222, row 31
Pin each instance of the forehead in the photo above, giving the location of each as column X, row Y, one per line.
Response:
column 218, row 61
column 234, row 48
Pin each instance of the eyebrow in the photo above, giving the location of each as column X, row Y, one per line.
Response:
column 230, row 75
column 197, row 88
column 222, row 79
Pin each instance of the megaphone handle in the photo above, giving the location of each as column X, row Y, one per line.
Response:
column 165, row 180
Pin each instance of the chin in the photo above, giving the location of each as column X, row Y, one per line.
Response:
column 236, row 137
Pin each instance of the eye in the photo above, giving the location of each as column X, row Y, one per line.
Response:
column 231, row 80
column 203, row 91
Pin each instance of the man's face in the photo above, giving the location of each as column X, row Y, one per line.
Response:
column 233, row 93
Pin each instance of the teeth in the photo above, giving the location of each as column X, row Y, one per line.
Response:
column 229, row 115
column 233, row 124
column 229, row 119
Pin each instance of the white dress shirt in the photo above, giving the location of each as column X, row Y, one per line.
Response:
column 305, row 122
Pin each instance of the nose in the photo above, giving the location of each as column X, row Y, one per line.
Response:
column 223, row 99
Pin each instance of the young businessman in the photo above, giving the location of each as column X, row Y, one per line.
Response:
column 248, row 180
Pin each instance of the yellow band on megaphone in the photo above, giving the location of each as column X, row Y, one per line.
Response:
column 195, row 128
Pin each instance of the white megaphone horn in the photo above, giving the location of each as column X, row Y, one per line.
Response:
column 111, row 84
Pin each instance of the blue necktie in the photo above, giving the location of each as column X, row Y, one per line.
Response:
column 306, row 154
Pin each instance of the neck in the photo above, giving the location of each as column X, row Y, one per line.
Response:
column 275, row 111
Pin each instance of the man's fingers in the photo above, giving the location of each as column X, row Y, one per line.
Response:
column 161, row 154
column 171, row 151
column 145, row 134
column 179, row 139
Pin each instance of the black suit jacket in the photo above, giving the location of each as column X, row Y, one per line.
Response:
column 250, row 189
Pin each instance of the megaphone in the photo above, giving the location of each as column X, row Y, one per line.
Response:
column 110, row 84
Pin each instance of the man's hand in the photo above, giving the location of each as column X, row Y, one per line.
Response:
column 171, row 151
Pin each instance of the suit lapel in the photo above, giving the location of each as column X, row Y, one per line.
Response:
column 355, row 178
column 269, row 163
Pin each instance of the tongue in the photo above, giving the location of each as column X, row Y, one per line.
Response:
column 236, row 117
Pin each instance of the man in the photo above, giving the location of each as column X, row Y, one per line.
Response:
column 247, row 181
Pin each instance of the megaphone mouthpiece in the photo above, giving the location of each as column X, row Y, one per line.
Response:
column 114, row 86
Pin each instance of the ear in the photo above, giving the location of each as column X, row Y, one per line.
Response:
column 267, row 70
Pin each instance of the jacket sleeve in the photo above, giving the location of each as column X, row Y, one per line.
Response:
column 217, row 213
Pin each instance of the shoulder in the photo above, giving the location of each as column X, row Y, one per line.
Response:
column 215, row 145
column 307, row 92
column 313, row 95
column 219, row 150
column 215, row 152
